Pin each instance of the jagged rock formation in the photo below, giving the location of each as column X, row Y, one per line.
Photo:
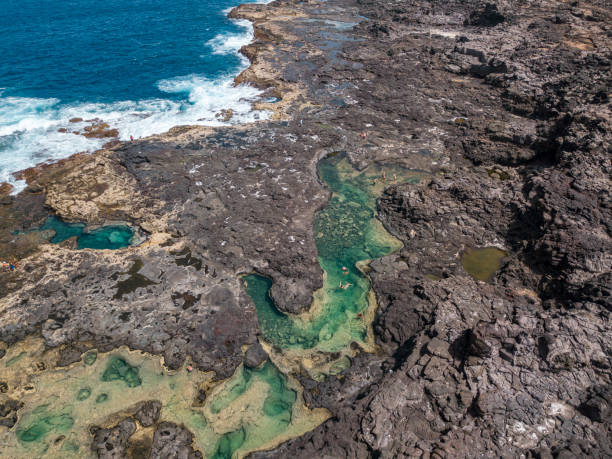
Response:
column 505, row 105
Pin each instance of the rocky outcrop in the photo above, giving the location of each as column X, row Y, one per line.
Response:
column 173, row 442
column 148, row 414
column 112, row 443
column 255, row 356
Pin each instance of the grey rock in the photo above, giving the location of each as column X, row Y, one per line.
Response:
column 148, row 413
column 598, row 404
column 172, row 441
column 516, row 158
column 255, row 356
column 112, row 443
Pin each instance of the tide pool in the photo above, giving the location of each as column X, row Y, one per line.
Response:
column 106, row 237
column 254, row 409
column 347, row 235
column 482, row 263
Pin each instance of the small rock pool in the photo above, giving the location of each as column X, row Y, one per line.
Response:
column 482, row 263
column 105, row 237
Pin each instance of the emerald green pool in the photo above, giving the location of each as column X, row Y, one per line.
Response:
column 106, row 237
column 346, row 233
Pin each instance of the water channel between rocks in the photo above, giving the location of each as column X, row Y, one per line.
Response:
column 254, row 409
column 347, row 235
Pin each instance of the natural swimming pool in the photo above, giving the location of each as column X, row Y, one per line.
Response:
column 347, row 235
column 105, row 237
column 255, row 408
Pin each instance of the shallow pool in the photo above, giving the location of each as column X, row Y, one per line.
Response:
column 482, row 263
column 105, row 237
column 347, row 235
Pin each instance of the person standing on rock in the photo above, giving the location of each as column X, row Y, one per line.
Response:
column 12, row 264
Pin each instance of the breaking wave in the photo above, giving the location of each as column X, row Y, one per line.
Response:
column 35, row 130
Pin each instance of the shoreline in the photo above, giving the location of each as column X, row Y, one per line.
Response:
column 110, row 133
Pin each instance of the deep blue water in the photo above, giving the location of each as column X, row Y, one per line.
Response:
column 142, row 66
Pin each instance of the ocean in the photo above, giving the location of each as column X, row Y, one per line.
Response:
column 141, row 66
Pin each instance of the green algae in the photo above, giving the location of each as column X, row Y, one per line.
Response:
column 13, row 360
column 278, row 414
column 90, row 357
column 119, row 369
column 339, row 365
column 235, row 388
column 279, row 401
column 254, row 409
column 41, row 422
column 83, row 394
column 229, row 444
column 482, row 263
column 70, row 447
column 280, row 397
column 347, row 234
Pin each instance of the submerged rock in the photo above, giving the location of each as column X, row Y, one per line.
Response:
column 148, row 413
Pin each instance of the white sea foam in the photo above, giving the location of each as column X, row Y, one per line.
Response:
column 29, row 126
column 230, row 43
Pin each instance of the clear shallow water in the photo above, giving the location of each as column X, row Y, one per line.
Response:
column 106, row 237
column 255, row 408
column 346, row 233
column 142, row 66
